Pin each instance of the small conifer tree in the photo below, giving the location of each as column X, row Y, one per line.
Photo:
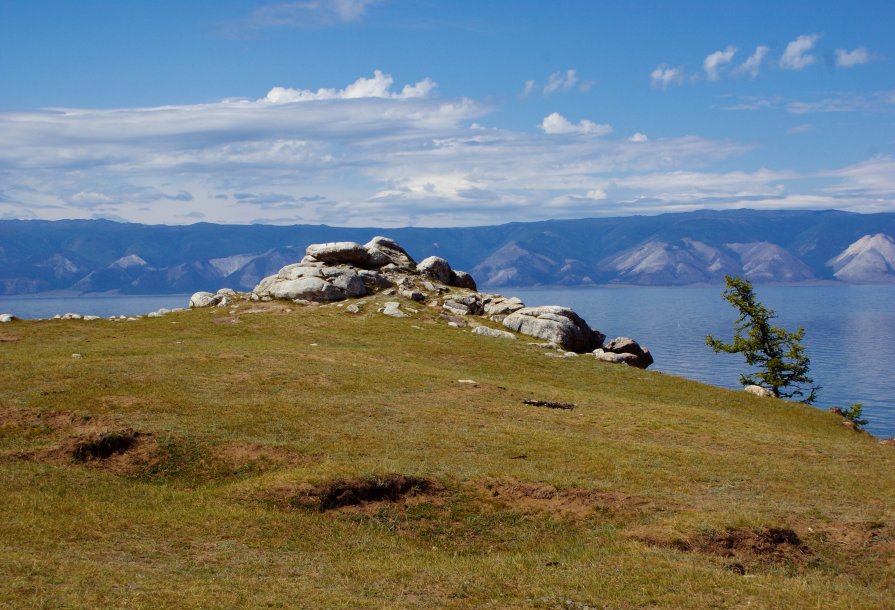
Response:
column 777, row 353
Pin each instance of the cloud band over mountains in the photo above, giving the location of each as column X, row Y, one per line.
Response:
column 372, row 153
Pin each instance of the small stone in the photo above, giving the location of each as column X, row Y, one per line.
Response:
column 493, row 332
column 76, row 355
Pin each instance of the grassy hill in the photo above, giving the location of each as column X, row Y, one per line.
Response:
column 282, row 456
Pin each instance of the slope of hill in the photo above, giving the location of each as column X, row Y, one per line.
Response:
column 702, row 246
column 268, row 454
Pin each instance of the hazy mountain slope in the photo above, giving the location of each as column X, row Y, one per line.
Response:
column 869, row 259
column 679, row 248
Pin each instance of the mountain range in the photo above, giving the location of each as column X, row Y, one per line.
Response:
column 668, row 249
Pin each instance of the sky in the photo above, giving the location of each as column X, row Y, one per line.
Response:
column 431, row 113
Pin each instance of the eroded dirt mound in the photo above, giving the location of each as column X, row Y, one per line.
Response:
column 103, row 445
column 356, row 492
column 744, row 547
column 545, row 497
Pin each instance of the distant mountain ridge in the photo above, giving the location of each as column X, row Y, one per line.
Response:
column 668, row 249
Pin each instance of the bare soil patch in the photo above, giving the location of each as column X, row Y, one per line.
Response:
column 746, row 548
column 360, row 492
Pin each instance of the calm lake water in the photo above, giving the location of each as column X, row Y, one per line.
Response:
column 850, row 330
column 849, row 334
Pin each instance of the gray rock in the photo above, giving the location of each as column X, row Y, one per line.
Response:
column 384, row 251
column 393, row 309
column 556, row 324
column 226, row 292
column 374, row 280
column 604, row 356
column 437, row 268
column 204, row 299
column 310, row 288
column 625, row 345
column 455, row 308
column 413, row 295
column 340, row 252
column 461, row 279
column 759, row 391
column 493, row 332
column 346, row 280
column 7, row 317
column 496, row 305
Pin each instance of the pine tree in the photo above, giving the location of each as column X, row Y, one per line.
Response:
column 778, row 354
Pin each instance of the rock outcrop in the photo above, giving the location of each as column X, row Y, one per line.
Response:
column 625, row 350
column 336, row 271
column 757, row 390
column 556, row 324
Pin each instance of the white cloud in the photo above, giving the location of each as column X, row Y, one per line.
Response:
column 307, row 13
column 378, row 86
column 529, row 88
column 796, row 55
column 638, row 137
column 560, row 81
column 663, row 76
column 713, row 63
column 393, row 160
column 803, row 128
column 848, row 59
column 752, row 66
column 555, row 123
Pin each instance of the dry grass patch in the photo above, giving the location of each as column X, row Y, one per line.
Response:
column 573, row 502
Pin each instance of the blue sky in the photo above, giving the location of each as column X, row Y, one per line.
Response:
column 412, row 112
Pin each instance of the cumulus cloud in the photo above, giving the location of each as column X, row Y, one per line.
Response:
column 555, row 123
column 638, row 137
column 378, row 86
column 856, row 57
column 663, row 76
column 713, row 63
column 796, row 56
column 752, row 66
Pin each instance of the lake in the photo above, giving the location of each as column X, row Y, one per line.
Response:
column 850, row 330
column 849, row 334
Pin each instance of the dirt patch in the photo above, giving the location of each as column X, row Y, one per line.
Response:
column 355, row 493
column 230, row 320
column 746, row 547
column 568, row 406
column 103, row 445
column 544, row 497
column 9, row 338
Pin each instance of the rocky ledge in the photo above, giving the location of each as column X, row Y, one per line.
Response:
column 347, row 270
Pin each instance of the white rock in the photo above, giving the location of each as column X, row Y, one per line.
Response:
column 204, row 299
column 759, row 391
column 7, row 317
column 393, row 309
column 493, row 332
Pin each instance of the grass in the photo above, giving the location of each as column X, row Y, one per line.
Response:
column 283, row 456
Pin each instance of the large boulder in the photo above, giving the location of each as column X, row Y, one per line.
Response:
column 639, row 356
column 559, row 325
column 204, row 299
column 437, row 268
column 384, row 251
column 440, row 270
column 340, row 253
column 6, row 317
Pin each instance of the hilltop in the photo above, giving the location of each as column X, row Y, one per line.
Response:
column 274, row 453
column 668, row 249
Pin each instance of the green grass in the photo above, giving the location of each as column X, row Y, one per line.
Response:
column 621, row 502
